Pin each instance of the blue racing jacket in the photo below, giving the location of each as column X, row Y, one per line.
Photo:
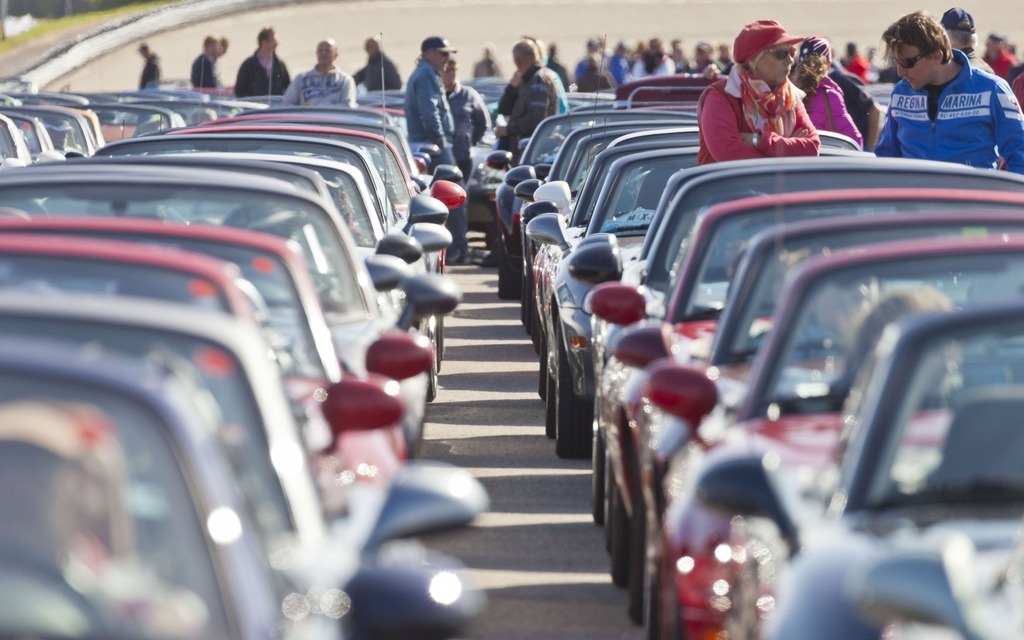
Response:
column 978, row 121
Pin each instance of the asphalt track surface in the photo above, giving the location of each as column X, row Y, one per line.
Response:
column 469, row 24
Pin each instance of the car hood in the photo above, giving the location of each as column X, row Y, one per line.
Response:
column 800, row 440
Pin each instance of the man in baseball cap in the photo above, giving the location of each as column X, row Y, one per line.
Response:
column 437, row 43
column 427, row 114
column 959, row 26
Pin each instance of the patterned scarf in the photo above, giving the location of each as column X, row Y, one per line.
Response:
column 763, row 109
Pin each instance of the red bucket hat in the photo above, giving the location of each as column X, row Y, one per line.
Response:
column 758, row 36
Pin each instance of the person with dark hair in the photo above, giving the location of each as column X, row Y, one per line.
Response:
column 942, row 108
column 324, row 84
column 756, row 111
column 556, row 65
column 856, row 63
column 653, row 61
column 487, row 66
column 204, row 67
column 824, row 99
column 998, row 55
column 594, row 78
column 471, row 121
column 380, row 72
column 150, row 72
column 959, row 26
column 619, row 64
column 263, row 73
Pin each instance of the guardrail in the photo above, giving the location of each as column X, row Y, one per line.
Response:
column 71, row 55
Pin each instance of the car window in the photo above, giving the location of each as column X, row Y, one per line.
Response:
column 634, row 195
column 289, row 218
column 101, row 537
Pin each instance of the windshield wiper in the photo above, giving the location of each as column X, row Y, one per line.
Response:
column 707, row 313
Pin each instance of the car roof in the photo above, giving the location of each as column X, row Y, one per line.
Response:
column 219, row 273
column 237, row 337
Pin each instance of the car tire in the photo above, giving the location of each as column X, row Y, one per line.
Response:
column 509, row 285
column 637, row 552
column 542, row 370
column 597, row 479
column 609, row 480
column 432, row 379
column 618, row 525
column 550, row 406
column 574, row 417
column 439, row 339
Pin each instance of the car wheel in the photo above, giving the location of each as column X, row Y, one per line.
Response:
column 536, row 329
column 637, row 551
column 432, row 379
column 542, row 369
column 574, row 417
column 619, row 533
column 609, row 479
column 439, row 340
column 550, row 405
column 597, row 480
column 509, row 285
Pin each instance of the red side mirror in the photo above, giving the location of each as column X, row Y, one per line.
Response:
column 640, row 346
column 451, row 194
column 399, row 355
column 682, row 391
column 618, row 303
column 421, row 164
column 356, row 404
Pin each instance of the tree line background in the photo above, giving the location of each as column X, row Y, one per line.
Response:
column 61, row 8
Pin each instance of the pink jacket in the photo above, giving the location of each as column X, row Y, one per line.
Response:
column 721, row 122
column 842, row 123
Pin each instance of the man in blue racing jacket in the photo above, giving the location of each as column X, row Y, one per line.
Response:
column 942, row 108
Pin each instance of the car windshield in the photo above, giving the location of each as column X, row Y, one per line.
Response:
column 118, row 123
column 100, row 536
column 269, row 144
column 634, row 194
column 744, row 327
column 282, row 216
column 345, row 192
column 694, row 198
column 957, row 435
column 838, row 318
column 240, row 430
column 50, row 273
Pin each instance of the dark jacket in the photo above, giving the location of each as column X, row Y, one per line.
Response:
column 151, row 72
column 252, row 79
column 525, row 106
column 204, row 73
column 471, row 121
column 369, row 76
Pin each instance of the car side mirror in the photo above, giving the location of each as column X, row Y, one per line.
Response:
column 500, row 160
column 921, row 586
column 596, row 260
column 448, row 173
column 542, row 169
column 684, row 392
column 557, row 192
column 451, row 194
column 425, row 208
column 739, row 485
column 399, row 355
column 400, row 245
column 524, row 190
column 639, row 346
column 516, row 175
column 432, row 151
column 534, row 209
column 617, row 303
column 548, row 228
column 361, row 404
column 386, row 272
column 432, row 237
column 427, row 295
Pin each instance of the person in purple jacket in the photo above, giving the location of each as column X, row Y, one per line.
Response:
column 823, row 98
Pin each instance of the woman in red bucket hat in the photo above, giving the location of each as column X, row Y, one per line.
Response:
column 756, row 112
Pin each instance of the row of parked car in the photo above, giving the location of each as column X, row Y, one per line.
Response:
column 798, row 380
column 217, row 343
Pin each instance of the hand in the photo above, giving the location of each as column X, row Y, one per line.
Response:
column 500, row 131
column 800, row 133
column 517, row 79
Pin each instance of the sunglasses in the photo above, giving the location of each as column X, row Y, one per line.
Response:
column 782, row 54
column 908, row 63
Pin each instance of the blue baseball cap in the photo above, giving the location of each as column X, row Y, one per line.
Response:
column 437, row 42
column 956, row 19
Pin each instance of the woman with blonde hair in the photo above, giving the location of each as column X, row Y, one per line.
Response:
column 824, row 98
column 756, row 112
